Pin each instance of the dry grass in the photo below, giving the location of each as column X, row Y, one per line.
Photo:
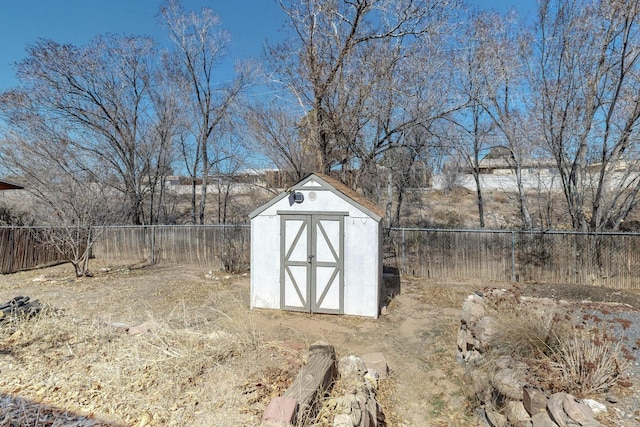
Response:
column 587, row 363
column 91, row 369
column 529, row 334
column 180, row 373
column 559, row 354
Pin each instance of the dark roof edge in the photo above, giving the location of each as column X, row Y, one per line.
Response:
column 6, row 185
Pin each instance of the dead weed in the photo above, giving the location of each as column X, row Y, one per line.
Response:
column 93, row 368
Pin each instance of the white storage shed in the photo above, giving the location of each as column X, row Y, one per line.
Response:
column 317, row 248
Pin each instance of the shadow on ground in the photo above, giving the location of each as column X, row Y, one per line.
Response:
column 18, row 411
column 391, row 285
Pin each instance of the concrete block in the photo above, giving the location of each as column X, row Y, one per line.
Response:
column 376, row 362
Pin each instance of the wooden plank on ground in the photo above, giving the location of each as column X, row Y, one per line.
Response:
column 313, row 380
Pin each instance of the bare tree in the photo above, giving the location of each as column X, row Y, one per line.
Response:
column 357, row 71
column 277, row 132
column 498, row 49
column 200, row 44
column 471, row 128
column 227, row 178
column 71, row 204
column 586, row 80
column 470, row 139
column 162, row 147
column 96, row 100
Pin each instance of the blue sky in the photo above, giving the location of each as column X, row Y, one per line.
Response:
column 23, row 22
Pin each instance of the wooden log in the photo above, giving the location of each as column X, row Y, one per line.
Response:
column 19, row 307
column 313, row 381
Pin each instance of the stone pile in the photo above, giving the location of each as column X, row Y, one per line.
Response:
column 358, row 407
column 508, row 400
column 538, row 410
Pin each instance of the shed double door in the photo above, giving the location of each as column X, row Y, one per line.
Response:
column 311, row 274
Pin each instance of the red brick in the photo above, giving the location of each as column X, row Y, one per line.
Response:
column 280, row 412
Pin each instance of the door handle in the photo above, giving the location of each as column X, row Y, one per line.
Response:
column 310, row 259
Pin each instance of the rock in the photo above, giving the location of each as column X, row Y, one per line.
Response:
column 39, row 279
column 596, row 407
column 120, row 327
column 495, row 419
column 484, row 331
column 472, row 309
column 568, row 411
column 516, row 414
column 578, row 411
column 358, row 413
column 350, row 366
column 105, row 270
column 509, row 382
column 359, row 403
column 376, row 362
column 144, row 420
column 143, row 328
column 280, row 411
column 542, row 419
column 534, row 400
column 342, row 420
column 555, row 410
column 372, row 378
column 384, row 311
column 462, row 339
column 612, row 398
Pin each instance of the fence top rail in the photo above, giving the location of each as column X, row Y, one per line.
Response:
column 486, row 231
column 181, row 226
column 399, row 229
column 97, row 227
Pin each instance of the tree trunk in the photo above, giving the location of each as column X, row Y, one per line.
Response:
column 479, row 197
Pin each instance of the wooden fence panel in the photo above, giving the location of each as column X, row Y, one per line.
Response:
column 603, row 259
column 599, row 259
column 214, row 246
column 450, row 253
column 22, row 249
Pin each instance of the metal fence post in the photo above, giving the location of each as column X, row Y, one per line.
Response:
column 513, row 256
column 153, row 244
column 402, row 261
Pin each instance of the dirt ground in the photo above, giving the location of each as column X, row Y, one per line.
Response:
column 417, row 337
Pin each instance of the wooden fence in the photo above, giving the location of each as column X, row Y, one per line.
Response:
column 215, row 246
column 600, row 259
column 22, row 249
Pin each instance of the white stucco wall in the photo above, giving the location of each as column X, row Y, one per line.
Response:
column 362, row 251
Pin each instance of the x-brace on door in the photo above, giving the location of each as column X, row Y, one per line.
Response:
column 312, row 252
